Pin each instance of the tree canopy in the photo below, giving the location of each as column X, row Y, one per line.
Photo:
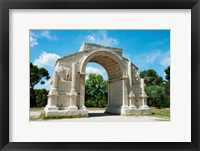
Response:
column 36, row 75
column 167, row 83
column 151, row 77
column 167, row 72
column 96, row 92
column 157, row 89
column 41, row 97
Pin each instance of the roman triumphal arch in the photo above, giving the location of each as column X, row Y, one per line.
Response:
column 126, row 93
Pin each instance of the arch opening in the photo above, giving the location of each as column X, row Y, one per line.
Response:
column 96, row 89
column 115, row 72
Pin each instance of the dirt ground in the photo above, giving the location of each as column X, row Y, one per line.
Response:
column 100, row 116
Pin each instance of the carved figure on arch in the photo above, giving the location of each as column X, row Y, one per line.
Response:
column 136, row 77
column 64, row 74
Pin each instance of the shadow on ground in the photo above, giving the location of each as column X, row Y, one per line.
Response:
column 100, row 114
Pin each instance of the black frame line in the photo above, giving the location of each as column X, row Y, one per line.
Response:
column 5, row 5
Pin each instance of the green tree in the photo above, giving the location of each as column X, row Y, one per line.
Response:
column 167, row 85
column 36, row 75
column 151, row 77
column 167, row 82
column 157, row 89
column 157, row 97
column 167, row 72
column 96, row 92
column 41, row 97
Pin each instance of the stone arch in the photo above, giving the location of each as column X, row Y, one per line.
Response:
column 102, row 57
column 67, row 93
column 112, row 63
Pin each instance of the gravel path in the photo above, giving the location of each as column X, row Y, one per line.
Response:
column 35, row 113
column 100, row 116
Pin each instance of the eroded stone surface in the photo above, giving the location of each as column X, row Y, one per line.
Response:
column 126, row 89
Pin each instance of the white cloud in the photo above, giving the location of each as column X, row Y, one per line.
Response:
column 47, row 35
column 102, row 72
column 159, row 43
column 157, row 57
column 91, row 38
column 165, row 59
column 46, row 59
column 152, row 58
column 102, row 38
column 94, row 70
column 33, row 34
column 33, row 41
column 43, row 34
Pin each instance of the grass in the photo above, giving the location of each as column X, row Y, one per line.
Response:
column 36, row 109
column 160, row 112
column 155, row 112
column 41, row 115
column 33, row 118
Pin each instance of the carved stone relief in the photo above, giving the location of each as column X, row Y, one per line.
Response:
column 64, row 74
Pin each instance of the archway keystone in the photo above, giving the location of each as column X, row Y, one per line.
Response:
column 126, row 93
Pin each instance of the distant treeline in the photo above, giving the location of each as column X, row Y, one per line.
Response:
column 157, row 89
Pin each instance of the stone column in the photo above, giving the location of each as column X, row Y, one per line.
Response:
column 142, row 86
column 143, row 92
column 107, row 108
column 82, row 91
column 132, row 100
column 74, row 75
column 124, row 95
column 131, row 94
column 144, row 96
column 53, row 94
column 55, row 81
column 51, row 107
column 73, row 93
column 130, row 74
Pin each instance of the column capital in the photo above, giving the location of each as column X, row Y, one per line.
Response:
column 144, row 95
column 124, row 77
column 131, row 94
column 82, row 74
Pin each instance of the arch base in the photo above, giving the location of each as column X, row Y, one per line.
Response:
column 136, row 111
column 127, row 110
column 65, row 113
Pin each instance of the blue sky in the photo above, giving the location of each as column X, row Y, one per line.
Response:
column 147, row 49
